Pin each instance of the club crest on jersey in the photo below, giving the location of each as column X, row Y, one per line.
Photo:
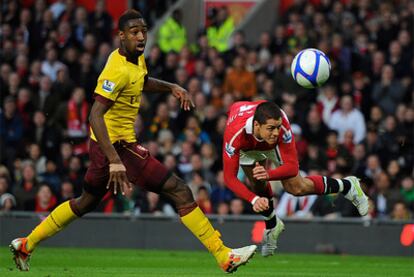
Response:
column 108, row 86
column 229, row 150
column 287, row 137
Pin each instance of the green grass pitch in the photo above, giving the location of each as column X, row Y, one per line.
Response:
column 50, row 262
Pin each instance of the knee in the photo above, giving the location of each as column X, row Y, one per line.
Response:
column 85, row 204
column 297, row 191
column 176, row 190
column 294, row 188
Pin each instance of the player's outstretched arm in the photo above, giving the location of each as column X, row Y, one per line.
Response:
column 156, row 85
column 117, row 170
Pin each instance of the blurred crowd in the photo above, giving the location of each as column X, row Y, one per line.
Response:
column 360, row 123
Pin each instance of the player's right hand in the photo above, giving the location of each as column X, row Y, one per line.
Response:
column 118, row 178
column 261, row 204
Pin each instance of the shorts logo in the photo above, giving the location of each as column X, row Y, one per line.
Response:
column 142, row 148
column 287, row 137
column 108, row 86
column 229, row 150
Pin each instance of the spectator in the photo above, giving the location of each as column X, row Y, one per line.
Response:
column 388, row 92
column 161, row 120
column 126, row 203
column 239, row 82
column 100, row 22
column 237, row 207
column 328, row 102
column 203, row 200
column 51, row 64
column 67, row 191
column 11, row 131
column 63, row 84
column 223, row 209
column 384, row 196
column 400, row 212
column 292, row 206
column 47, row 99
column 407, row 191
column 348, row 118
column 221, row 28
column 220, row 193
column 51, row 177
column 172, row 35
column 36, row 157
column 314, row 128
column 45, row 200
column 336, row 152
column 72, row 117
column 25, row 190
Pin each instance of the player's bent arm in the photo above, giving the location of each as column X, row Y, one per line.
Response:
column 96, row 119
column 285, row 171
column 230, row 169
column 290, row 166
column 156, row 85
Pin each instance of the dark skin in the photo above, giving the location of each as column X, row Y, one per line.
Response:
column 133, row 39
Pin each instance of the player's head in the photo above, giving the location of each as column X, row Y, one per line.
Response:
column 267, row 122
column 132, row 32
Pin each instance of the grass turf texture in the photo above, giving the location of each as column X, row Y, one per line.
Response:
column 50, row 262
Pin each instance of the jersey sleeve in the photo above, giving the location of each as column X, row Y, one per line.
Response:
column 288, row 153
column 231, row 157
column 111, row 81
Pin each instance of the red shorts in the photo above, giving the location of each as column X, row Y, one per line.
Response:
column 142, row 169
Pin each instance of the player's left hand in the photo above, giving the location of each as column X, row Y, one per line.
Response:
column 260, row 173
column 118, row 178
column 184, row 97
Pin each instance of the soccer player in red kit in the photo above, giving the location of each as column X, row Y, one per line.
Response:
column 260, row 131
column 117, row 161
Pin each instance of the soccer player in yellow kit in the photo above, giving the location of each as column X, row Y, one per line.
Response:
column 118, row 161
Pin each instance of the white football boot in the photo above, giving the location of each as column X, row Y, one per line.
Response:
column 357, row 196
column 21, row 256
column 238, row 257
column 270, row 236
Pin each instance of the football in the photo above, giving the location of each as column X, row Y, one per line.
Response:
column 311, row 68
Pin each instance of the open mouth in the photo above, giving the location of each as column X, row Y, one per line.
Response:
column 141, row 46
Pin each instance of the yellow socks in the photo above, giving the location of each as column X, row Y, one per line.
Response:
column 202, row 229
column 58, row 219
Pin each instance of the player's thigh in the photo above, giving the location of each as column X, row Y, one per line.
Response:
column 97, row 175
column 298, row 185
column 143, row 169
column 257, row 186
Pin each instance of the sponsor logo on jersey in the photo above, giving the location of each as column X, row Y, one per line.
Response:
column 108, row 86
column 246, row 108
column 287, row 137
column 229, row 150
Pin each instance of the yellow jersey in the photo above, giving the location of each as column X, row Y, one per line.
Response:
column 121, row 82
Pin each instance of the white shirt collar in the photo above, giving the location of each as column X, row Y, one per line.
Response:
column 249, row 125
column 249, row 128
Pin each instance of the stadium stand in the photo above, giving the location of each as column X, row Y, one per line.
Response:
column 51, row 55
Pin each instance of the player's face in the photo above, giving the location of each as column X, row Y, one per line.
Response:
column 269, row 131
column 134, row 36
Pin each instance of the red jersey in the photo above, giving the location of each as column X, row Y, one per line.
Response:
column 239, row 136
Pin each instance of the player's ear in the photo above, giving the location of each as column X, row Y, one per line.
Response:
column 121, row 34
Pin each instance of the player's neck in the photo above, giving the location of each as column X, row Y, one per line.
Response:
column 132, row 58
column 256, row 134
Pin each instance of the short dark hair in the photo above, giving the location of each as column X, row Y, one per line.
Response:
column 267, row 110
column 128, row 15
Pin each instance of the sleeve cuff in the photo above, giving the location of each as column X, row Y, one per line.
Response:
column 254, row 200
column 103, row 100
